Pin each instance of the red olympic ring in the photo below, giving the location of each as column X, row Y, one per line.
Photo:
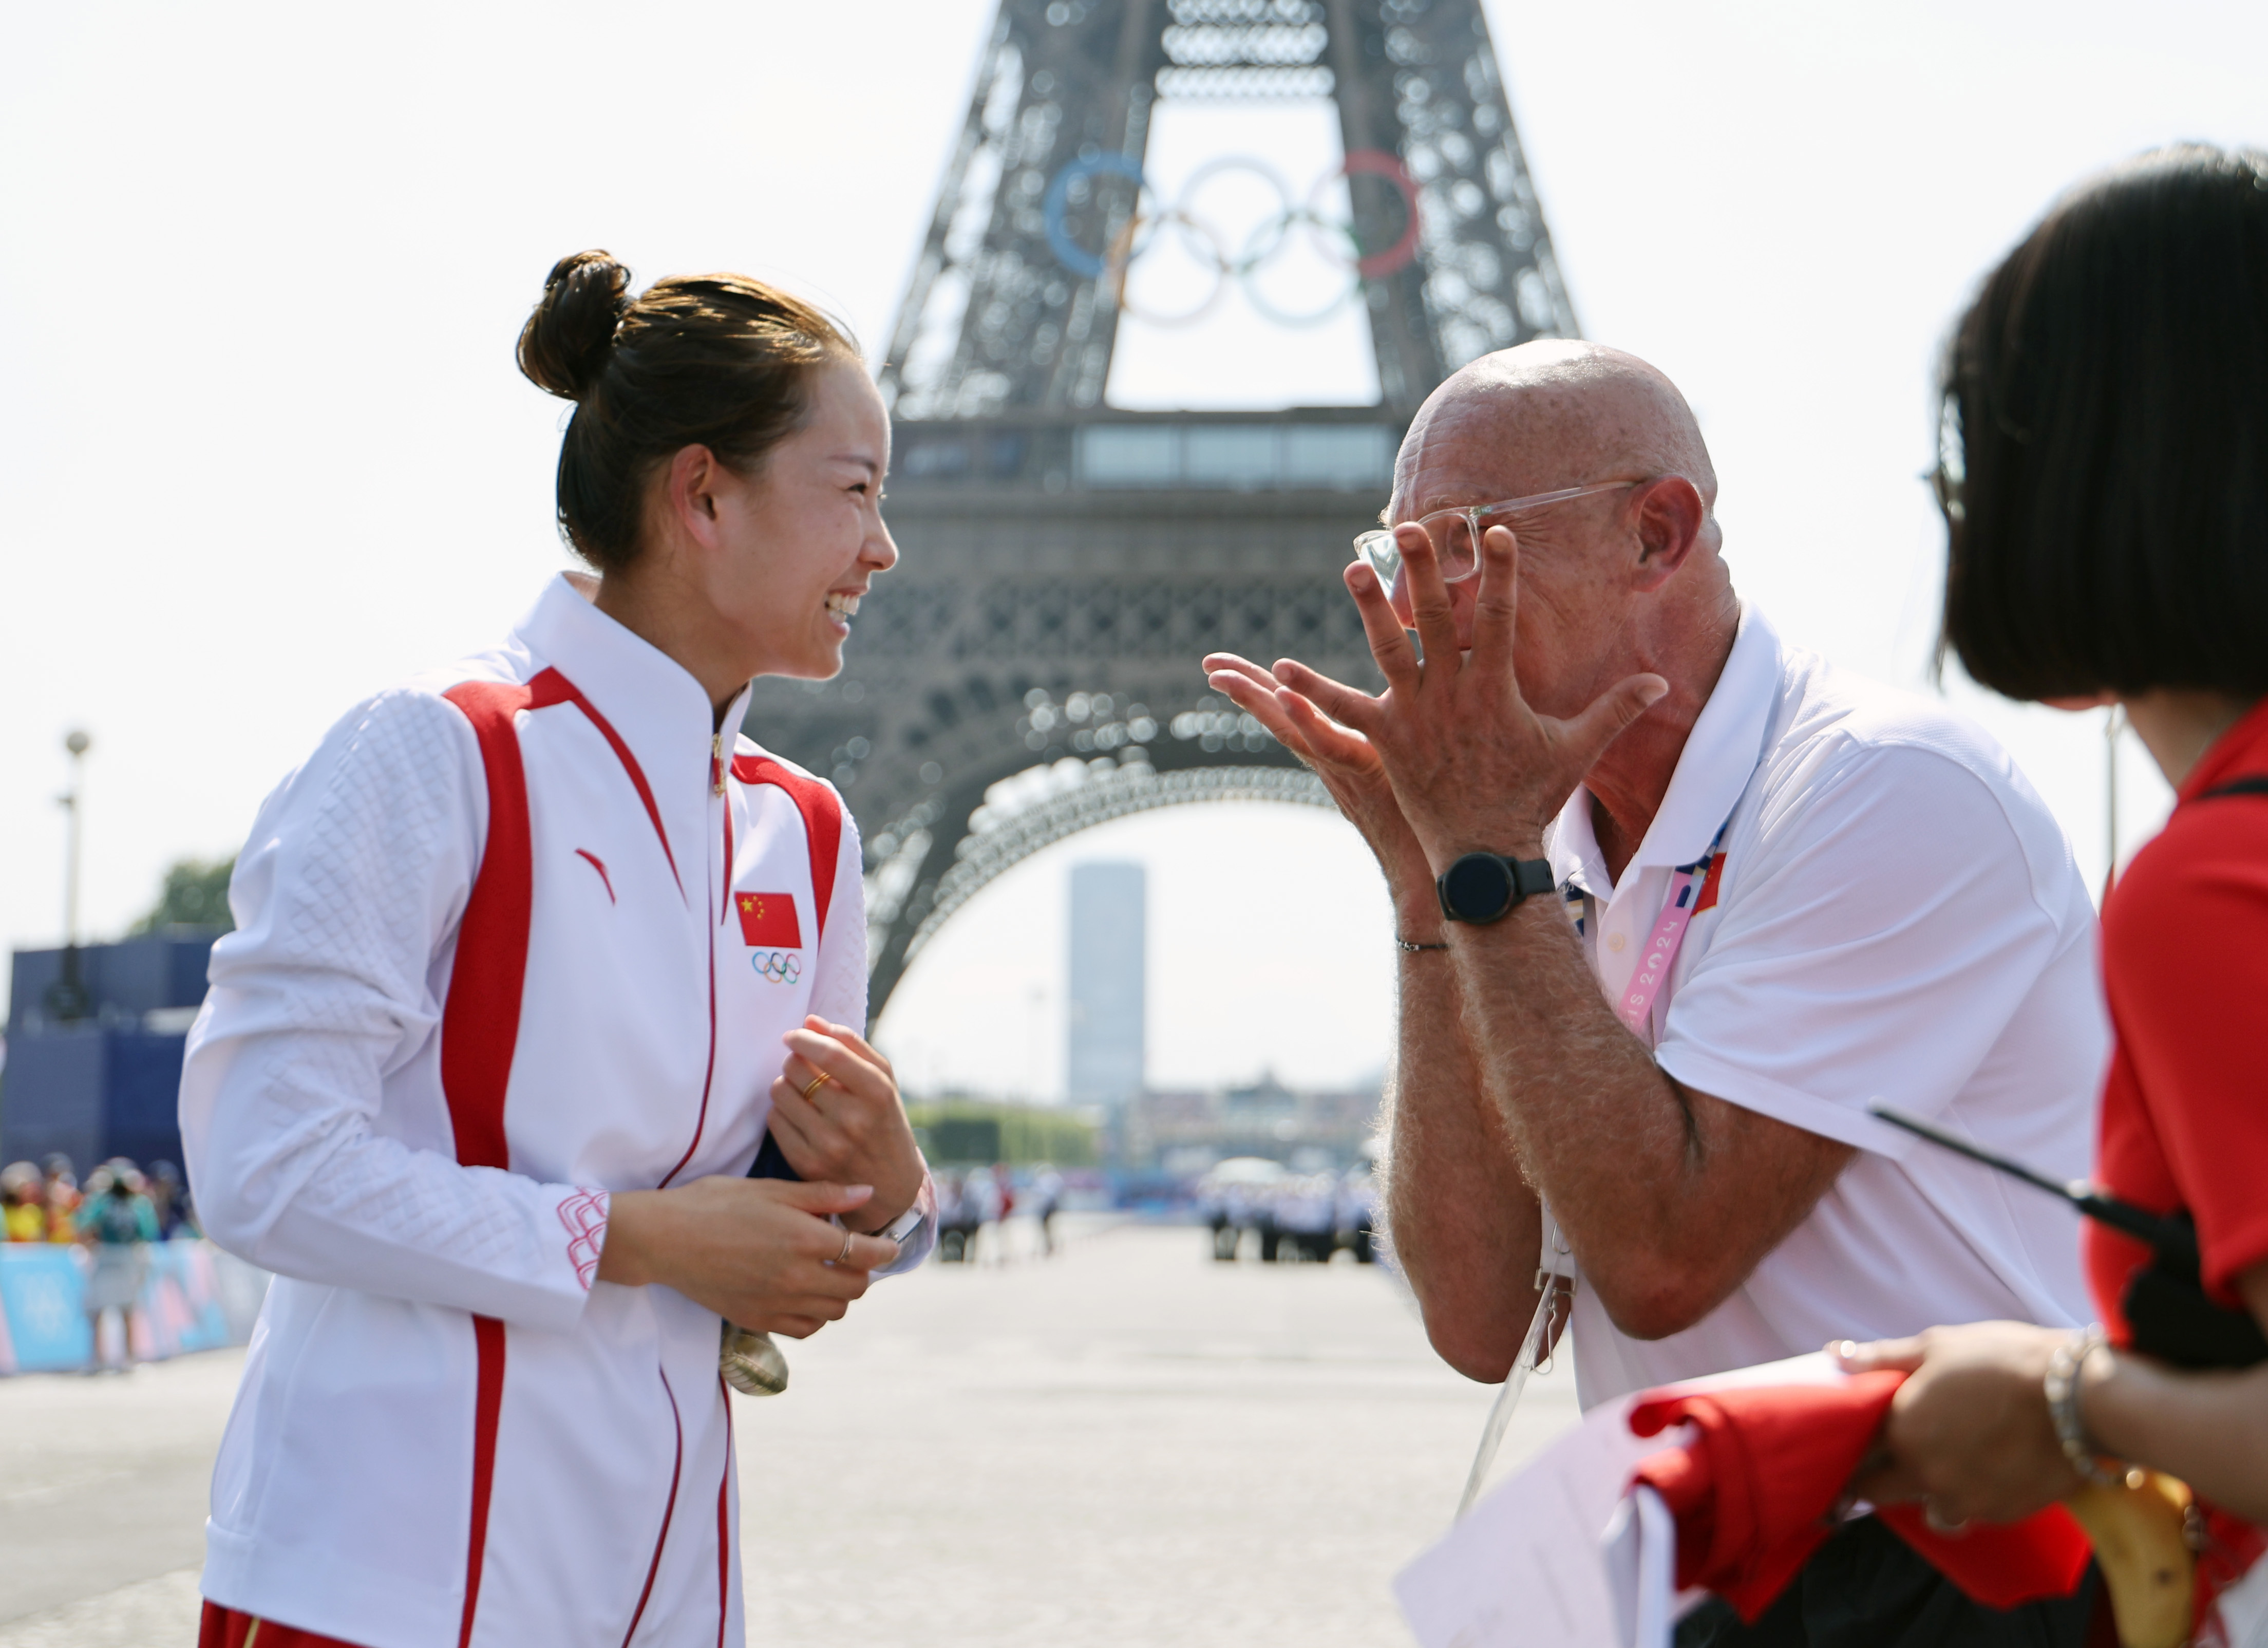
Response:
column 1378, row 163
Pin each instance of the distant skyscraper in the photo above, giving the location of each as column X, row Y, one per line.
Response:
column 1108, row 954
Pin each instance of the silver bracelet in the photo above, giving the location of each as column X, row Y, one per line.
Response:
column 2061, row 1386
column 1408, row 948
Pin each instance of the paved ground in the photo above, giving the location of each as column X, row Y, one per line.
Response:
column 1128, row 1446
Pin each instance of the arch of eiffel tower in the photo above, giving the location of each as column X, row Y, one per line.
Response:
column 1030, row 668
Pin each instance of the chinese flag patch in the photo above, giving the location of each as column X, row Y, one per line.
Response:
column 768, row 921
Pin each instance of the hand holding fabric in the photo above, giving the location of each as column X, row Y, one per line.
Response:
column 1969, row 1430
column 1755, row 1490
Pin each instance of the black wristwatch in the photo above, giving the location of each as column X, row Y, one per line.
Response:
column 1487, row 886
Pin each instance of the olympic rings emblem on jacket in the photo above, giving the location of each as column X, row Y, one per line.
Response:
column 1334, row 237
column 778, row 966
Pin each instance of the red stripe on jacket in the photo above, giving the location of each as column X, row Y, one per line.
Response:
column 822, row 825
column 480, row 1021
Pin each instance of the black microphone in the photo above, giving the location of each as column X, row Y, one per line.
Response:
column 2165, row 1304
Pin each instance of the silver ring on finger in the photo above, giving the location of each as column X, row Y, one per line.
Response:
column 845, row 1254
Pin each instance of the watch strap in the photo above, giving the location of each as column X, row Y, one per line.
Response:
column 1523, row 877
column 904, row 1225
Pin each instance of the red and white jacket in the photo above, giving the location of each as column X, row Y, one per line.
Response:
column 521, row 933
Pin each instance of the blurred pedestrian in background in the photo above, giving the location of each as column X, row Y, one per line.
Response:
column 984, row 1204
column 115, row 1223
column 60, row 1195
column 1047, row 1199
column 22, row 1197
column 169, row 1200
column 2104, row 479
column 957, row 1219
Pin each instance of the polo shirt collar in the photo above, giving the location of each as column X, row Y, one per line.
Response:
column 661, row 712
column 1714, row 770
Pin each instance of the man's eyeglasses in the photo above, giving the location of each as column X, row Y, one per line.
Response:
column 1455, row 534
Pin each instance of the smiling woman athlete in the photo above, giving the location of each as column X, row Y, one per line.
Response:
column 530, row 953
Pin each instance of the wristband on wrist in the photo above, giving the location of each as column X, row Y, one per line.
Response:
column 2061, row 1387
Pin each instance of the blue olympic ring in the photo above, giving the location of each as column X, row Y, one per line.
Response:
column 778, row 966
column 1072, row 256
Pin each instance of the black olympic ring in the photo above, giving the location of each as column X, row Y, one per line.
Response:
column 1139, row 233
column 778, row 966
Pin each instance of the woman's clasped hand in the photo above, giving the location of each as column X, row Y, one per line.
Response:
column 758, row 1252
column 836, row 1114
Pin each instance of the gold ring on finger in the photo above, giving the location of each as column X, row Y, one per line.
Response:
column 817, row 1082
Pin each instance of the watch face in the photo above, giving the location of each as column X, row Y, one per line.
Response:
column 1477, row 887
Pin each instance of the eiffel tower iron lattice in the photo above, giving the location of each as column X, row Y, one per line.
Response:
column 1030, row 668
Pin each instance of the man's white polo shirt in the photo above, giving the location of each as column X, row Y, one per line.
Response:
column 1895, row 917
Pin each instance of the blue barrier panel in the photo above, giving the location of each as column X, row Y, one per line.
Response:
column 194, row 1297
column 42, row 1287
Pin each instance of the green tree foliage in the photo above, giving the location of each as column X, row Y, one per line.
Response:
column 195, row 894
column 968, row 1131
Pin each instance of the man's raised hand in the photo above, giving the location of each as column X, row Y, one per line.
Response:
column 1342, row 758
column 1473, row 767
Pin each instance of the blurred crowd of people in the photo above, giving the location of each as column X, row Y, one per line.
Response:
column 1306, row 1216
column 974, row 1207
column 115, row 1216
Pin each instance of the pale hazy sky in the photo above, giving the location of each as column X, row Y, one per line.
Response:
column 264, row 448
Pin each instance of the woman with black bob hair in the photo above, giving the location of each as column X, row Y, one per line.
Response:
column 2104, row 480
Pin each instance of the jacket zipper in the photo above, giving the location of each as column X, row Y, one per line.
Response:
column 708, row 1077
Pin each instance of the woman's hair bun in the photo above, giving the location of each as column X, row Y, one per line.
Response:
column 564, row 345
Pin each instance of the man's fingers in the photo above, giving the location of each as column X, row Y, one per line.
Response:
column 1590, row 733
column 1259, row 702
column 1331, row 743
column 1343, row 704
column 1497, row 605
column 1430, row 611
column 1229, row 663
column 1381, row 627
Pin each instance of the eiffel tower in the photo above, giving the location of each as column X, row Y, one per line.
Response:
column 1030, row 668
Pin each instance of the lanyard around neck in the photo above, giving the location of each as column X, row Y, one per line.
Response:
column 1635, row 1006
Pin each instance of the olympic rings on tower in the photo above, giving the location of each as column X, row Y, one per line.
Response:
column 1334, row 238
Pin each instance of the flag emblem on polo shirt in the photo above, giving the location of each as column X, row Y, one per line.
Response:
column 1709, row 893
column 768, row 919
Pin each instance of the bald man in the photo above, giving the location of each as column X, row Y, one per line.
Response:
column 1676, row 901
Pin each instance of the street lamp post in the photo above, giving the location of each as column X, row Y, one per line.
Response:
column 67, row 997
